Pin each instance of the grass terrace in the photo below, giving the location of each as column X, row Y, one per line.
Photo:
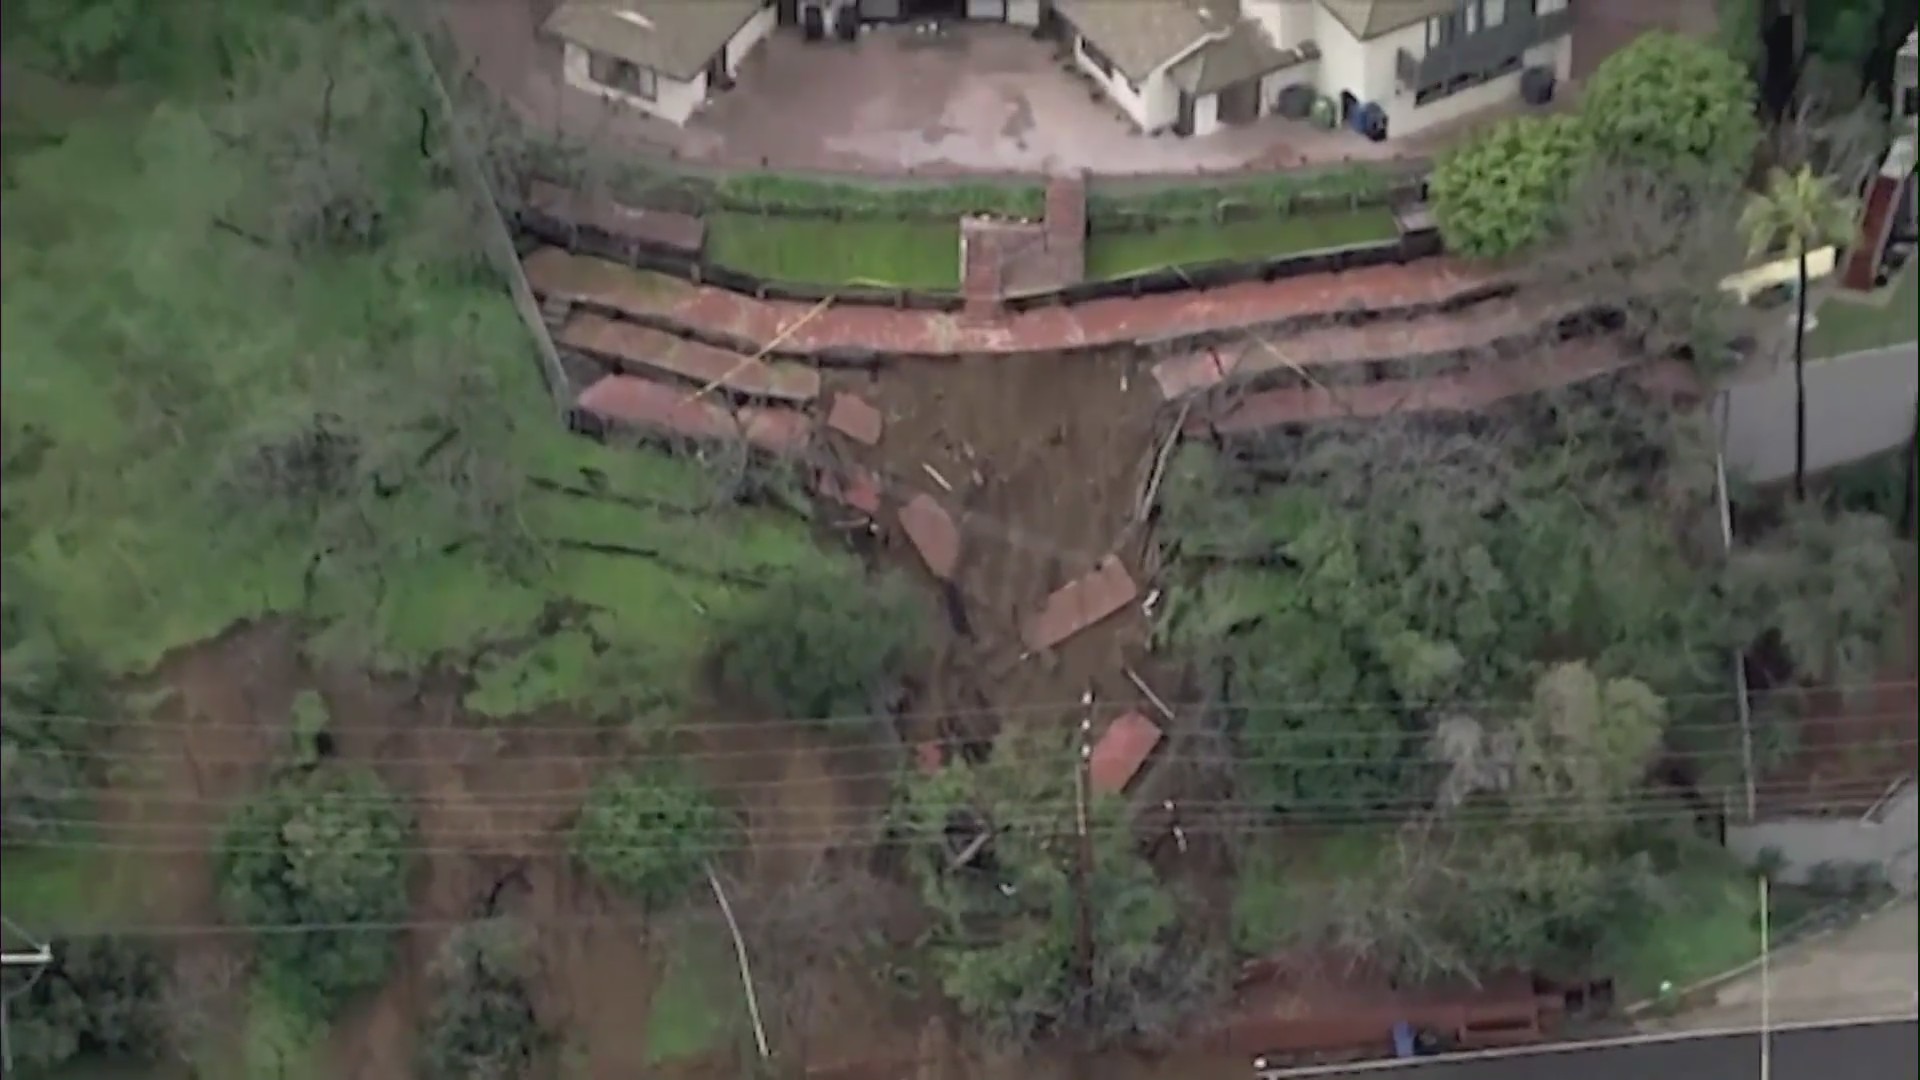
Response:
column 879, row 252
column 1115, row 255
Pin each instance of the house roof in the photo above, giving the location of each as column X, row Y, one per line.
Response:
column 1140, row 35
column 673, row 37
column 1245, row 53
column 1120, row 753
column 1371, row 18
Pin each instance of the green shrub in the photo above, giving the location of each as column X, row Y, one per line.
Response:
column 100, row 997
column 818, row 647
column 768, row 193
column 1276, row 193
column 649, row 833
column 323, row 849
column 1668, row 100
column 1501, row 192
column 483, row 1025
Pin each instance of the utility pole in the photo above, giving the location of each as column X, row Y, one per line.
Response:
column 39, row 958
column 1766, row 983
column 1083, row 878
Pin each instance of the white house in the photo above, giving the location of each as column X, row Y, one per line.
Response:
column 1191, row 66
column 663, row 57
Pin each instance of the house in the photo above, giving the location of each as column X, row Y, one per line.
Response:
column 1193, row 66
column 662, row 57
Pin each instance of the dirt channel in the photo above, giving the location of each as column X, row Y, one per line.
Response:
column 1041, row 462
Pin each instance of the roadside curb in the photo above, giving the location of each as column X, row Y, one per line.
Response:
column 1639, row 1009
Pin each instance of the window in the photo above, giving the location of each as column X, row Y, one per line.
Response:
column 1548, row 7
column 625, row 76
column 1096, row 57
column 1910, row 101
column 1492, row 13
column 1443, row 30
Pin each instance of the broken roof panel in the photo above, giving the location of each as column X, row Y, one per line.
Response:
column 933, row 533
column 628, row 401
column 1120, row 753
column 633, row 346
column 1080, row 603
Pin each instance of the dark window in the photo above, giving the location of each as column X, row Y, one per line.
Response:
column 624, row 75
column 1444, row 30
column 1910, row 101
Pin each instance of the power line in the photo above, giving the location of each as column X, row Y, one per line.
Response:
column 1065, row 708
column 1220, row 816
column 534, row 798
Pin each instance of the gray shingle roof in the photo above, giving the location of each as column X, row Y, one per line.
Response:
column 1245, row 53
column 1140, row 35
column 673, row 37
column 1370, row 18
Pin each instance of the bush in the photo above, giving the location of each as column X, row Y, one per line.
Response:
column 767, row 193
column 649, row 833
column 1279, row 193
column 55, row 699
column 323, row 849
column 483, row 1026
column 822, row 647
column 1668, row 100
column 100, row 997
column 1500, row 193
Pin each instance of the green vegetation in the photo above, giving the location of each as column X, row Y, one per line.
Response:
column 1849, row 325
column 650, row 833
column 483, row 1022
column 1150, row 974
column 1665, row 105
column 101, row 996
column 881, row 253
column 770, row 193
column 1503, row 191
column 696, row 1008
column 1114, row 208
column 324, row 849
column 1112, row 255
column 814, row 648
column 1670, row 100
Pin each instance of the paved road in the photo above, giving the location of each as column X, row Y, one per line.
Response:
column 1857, row 405
column 1887, row 1051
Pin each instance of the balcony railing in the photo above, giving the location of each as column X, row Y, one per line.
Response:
column 1481, row 52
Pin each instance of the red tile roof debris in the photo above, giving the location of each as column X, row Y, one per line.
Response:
column 641, row 350
column 671, row 410
column 933, row 533
column 852, row 486
column 1080, row 603
column 1120, row 753
column 851, row 416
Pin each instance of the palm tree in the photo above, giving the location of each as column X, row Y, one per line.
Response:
column 1800, row 212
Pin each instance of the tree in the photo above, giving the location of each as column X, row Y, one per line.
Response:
column 1669, row 101
column 323, row 850
column 822, row 646
column 103, row 997
column 1501, row 192
column 649, row 833
column 56, row 707
column 1829, row 585
column 483, row 1025
column 1797, row 212
column 1587, row 742
column 993, row 867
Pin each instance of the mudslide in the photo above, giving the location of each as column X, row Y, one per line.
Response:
column 1039, row 465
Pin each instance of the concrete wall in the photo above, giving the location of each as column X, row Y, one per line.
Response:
column 1888, row 840
column 1151, row 107
column 1858, row 405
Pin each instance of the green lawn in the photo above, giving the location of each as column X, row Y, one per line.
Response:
column 823, row 252
column 697, row 1005
column 1845, row 326
column 1123, row 254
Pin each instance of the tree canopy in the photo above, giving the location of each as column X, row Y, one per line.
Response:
column 649, row 832
column 324, row 849
column 483, row 1025
column 1502, row 191
column 823, row 646
column 1671, row 100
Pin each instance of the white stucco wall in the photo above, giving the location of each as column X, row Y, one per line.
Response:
column 1206, row 113
column 1153, row 107
column 753, row 33
column 1367, row 70
column 675, row 102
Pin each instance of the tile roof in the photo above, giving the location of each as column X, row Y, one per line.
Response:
column 1121, row 751
column 1140, row 35
column 1245, row 53
column 673, row 37
column 1370, row 18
